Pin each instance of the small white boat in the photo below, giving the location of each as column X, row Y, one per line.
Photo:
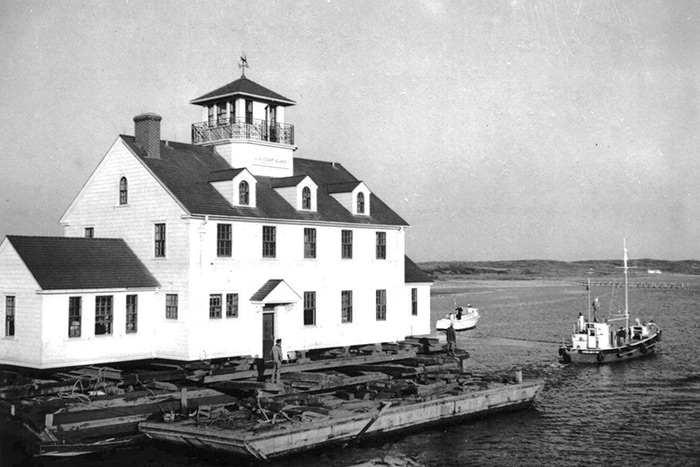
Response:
column 461, row 320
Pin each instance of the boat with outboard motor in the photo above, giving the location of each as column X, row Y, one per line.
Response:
column 461, row 320
column 599, row 342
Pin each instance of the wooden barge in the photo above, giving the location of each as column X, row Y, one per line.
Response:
column 304, row 428
column 339, row 395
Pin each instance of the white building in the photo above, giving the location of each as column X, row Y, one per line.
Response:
column 242, row 243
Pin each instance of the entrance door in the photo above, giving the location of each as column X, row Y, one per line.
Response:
column 268, row 333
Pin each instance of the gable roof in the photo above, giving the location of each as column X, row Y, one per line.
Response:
column 412, row 273
column 185, row 170
column 243, row 86
column 222, row 175
column 65, row 263
column 275, row 291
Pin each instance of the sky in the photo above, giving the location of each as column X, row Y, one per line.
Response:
column 499, row 130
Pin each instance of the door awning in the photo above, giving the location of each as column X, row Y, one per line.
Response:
column 275, row 291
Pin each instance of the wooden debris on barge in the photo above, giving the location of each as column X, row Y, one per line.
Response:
column 83, row 410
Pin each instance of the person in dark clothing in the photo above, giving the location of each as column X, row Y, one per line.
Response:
column 277, row 361
column 451, row 340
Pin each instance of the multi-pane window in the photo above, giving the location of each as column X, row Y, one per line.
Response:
column 243, row 193
column 360, row 203
column 306, row 198
column 171, row 306
column 221, row 113
column 123, row 191
column 269, row 242
column 232, row 305
column 248, row 111
column 309, row 243
column 160, row 241
column 215, row 306
column 414, row 301
column 132, row 312
column 381, row 305
column 309, row 308
column 346, row 305
column 75, row 318
column 211, row 115
column 223, row 239
column 89, row 232
column 103, row 315
column 9, row 315
column 381, row 245
column 346, row 241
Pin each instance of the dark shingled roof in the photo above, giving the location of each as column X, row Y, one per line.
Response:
column 65, row 263
column 345, row 187
column 223, row 175
column 185, row 169
column 243, row 86
column 265, row 290
column 413, row 273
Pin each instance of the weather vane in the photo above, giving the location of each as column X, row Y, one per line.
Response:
column 243, row 65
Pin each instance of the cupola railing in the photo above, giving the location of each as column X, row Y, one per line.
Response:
column 255, row 130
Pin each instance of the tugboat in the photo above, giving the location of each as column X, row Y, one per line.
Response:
column 594, row 342
column 460, row 320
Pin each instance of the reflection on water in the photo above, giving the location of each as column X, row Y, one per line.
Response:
column 644, row 412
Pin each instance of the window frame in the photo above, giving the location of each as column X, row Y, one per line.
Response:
column 75, row 317
column 269, row 241
column 380, row 302
column 171, row 306
column 309, row 243
column 224, row 240
column 214, row 309
column 309, row 313
column 346, row 244
column 381, row 245
column 244, row 193
column 89, row 232
column 346, row 306
column 104, row 314
column 160, row 237
column 132, row 313
column 232, row 305
column 306, row 198
column 222, row 113
column 360, row 203
column 10, row 315
column 414, row 301
column 123, row 191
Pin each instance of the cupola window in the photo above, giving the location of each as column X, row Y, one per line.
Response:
column 123, row 191
column 243, row 193
column 221, row 113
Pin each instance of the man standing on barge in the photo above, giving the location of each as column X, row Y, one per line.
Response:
column 451, row 340
column 277, row 361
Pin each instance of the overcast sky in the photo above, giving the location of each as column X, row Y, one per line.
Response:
column 523, row 129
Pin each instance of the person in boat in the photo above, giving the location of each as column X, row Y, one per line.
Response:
column 459, row 312
column 621, row 336
column 581, row 323
column 451, row 340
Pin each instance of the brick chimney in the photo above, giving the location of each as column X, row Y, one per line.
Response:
column 147, row 132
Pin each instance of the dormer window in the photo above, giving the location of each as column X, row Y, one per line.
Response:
column 299, row 191
column 360, row 203
column 353, row 196
column 243, row 193
column 123, row 192
column 306, row 198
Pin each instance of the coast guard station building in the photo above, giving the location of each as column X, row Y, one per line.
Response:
column 211, row 249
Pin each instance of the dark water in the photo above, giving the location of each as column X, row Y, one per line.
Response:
column 644, row 412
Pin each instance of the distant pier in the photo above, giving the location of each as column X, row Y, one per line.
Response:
column 642, row 285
